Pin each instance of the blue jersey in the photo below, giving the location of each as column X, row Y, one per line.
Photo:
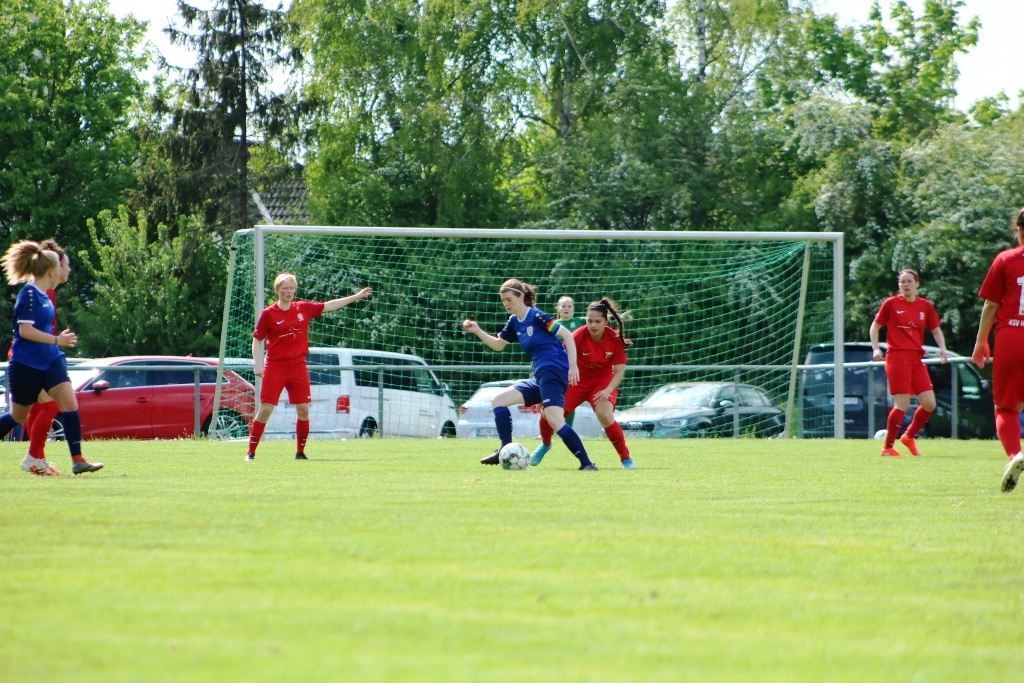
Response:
column 537, row 335
column 34, row 307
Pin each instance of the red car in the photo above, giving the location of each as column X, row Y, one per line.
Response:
column 118, row 403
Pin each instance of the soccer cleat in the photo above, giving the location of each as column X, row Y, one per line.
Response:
column 539, row 453
column 250, row 456
column 490, row 459
column 890, row 452
column 628, row 464
column 85, row 466
column 1012, row 473
column 39, row 466
column 301, row 456
column 911, row 444
column 589, row 467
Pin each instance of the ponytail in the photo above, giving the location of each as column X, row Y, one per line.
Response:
column 607, row 307
column 27, row 259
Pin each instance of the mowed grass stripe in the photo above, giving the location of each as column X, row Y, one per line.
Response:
column 403, row 560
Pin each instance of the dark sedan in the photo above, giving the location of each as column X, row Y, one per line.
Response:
column 689, row 409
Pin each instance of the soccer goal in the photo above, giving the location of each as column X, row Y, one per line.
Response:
column 720, row 322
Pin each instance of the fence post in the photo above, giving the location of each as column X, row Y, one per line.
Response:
column 871, row 402
column 736, row 403
column 955, row 396
column 380, row 401
column 195, row 433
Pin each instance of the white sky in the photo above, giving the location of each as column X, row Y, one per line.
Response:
column 993, row 65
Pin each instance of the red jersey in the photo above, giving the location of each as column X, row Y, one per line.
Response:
column 1004, row 285
column 597, row 358
column 53, row 300
column 287, row 331
column 906, row 321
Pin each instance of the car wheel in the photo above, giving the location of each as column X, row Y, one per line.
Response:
column 702, row 431
column 448, row 431
column 230, row 425
column 368, row 428
column 56, row 430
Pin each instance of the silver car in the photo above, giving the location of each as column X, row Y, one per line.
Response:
column 476, row 417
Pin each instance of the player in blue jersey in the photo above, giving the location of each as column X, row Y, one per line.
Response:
column 553, row 352
column 37, row 362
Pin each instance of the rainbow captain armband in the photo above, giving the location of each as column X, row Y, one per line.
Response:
column 552, row 326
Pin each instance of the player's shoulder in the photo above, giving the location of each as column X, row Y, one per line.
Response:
column 1010, row 257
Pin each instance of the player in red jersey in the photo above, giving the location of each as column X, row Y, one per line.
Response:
column 40, row 419
column 602, row 362
column 1003, row 292
column 284, row 325
column 906, row 316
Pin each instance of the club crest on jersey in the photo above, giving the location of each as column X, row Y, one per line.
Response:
column 301, row 318
column 529, row 330
column 921, row 314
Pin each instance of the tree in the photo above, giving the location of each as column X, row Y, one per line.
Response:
column 151, row 296
column 68, row 91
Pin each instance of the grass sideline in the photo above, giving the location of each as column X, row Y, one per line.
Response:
column 404, row 560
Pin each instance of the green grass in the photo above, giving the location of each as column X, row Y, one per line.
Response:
column 408, row 561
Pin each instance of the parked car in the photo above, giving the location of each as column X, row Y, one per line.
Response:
column 116, row 402
column 975, row 414
column 347, row 403
column 692, row 409
column 476, row 417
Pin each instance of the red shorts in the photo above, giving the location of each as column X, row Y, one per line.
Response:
column 292, row 375
column 584, row 392
column 1007, row 373
column 906, row 373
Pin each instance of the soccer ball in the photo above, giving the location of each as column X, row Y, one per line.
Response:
column 881, row 434
column 514, row 456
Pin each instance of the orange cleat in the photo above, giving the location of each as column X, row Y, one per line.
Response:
column 890, row 453
column 911, row 445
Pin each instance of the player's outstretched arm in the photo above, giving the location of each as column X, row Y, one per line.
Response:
column 335, row 304
column 496, row 343
column 570, row 350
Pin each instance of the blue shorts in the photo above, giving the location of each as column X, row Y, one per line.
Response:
column 547, row 387
column 26, row 382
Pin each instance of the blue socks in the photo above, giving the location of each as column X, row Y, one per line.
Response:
column 72, row 432
column 572, row 441
column 503, row 421
column 7, row 423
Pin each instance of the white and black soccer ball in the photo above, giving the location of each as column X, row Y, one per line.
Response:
column 514, row 456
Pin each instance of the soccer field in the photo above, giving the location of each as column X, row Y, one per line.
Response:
column 403, row 560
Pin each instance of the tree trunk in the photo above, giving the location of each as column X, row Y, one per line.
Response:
column 702, row 43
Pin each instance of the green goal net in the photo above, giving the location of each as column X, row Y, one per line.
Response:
column 717, row 322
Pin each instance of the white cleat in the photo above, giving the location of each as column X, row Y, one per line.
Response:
column 1010, row 475
column 39, row 467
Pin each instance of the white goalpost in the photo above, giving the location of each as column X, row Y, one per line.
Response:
column 714, row 307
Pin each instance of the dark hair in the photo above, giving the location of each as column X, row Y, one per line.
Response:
column 1020, row 220
column 524, row 290
column 917, row 278
column 26, row 259
column 51, row 245
column 607, row 307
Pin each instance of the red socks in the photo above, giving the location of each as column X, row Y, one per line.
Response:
column 618, row 439
column 1008, row 429
column 38, row 427
column 546, row 432
column 301, row 434
column 920, row 419
column 892, row 426
column 255, row 434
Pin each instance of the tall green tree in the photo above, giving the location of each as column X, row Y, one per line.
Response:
column 68, row 88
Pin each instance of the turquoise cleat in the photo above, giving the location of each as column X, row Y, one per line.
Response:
column 539, row 454
column 629, row 464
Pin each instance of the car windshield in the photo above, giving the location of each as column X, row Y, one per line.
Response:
column 673, row 396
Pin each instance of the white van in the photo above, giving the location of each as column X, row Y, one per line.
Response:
column 347, row 403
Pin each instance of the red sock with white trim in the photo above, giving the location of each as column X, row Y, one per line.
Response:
column 546, row 432
column 618, row 439
column 892, row 426
column 921, row 417
column 301, row 434
column 255, row 434
column 1008, row 429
